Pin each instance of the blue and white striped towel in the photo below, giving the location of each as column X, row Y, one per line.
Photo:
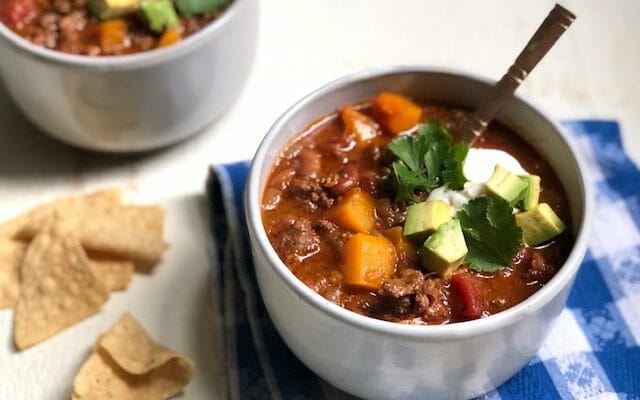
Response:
column 592, row 351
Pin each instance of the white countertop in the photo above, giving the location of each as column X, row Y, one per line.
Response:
column 593, row 72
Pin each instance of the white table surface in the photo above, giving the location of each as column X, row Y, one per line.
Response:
column 593, row 72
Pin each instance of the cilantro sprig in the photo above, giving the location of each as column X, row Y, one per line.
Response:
column 426, row 161
column 490, row 232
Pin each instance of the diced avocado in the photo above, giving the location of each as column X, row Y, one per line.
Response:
column 159, row 14
column 189, row 8
column 445, row 249
column 539, row 224
column 506, row 185
column 424, row 218
column 107, row 9
column 531, row 194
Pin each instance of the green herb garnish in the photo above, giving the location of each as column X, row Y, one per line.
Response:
column 427, row 160
column 490, row 232
column 189, row 8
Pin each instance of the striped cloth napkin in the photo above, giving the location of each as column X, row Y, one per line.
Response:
column 592, row 351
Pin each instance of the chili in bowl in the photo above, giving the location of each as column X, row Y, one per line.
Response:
column 132, row 100
column 108, row 27
column 395, row 261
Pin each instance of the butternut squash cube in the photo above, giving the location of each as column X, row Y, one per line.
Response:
column 169, row 37
column 356, row 212
column 363, row 127
column 397, row 113
column 368, row 261
column 112, row 35
column 405, row 247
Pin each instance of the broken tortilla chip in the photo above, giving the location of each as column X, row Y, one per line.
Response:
column 11, row 255
column 58, row 288
column 127, row 364
column 113, row 274
column 25, row 226
column 130, row 232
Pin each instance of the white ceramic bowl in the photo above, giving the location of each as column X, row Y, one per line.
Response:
column 133, row 102
column 377, row 359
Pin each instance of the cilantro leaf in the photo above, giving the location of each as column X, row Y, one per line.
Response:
column 490, row 232
column 412, row 181
column 434, row 131
column 407, row 149
column 452, row 172
column 427, row 160
column 435, row 158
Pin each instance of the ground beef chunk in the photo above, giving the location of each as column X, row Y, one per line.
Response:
column 70, row 27
column 389, row 213
column 408, row 282
column 310, row 192
column 402, row 306
column 399, row 293
column 329, row 287
column 413, row 293
column 431, row 300
column 332, row 234
column 295, row 240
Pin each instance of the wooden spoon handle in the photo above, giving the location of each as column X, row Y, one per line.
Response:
column 558, row 20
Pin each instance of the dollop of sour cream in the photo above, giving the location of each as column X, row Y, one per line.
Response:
column 478, row 168
column 480, row 163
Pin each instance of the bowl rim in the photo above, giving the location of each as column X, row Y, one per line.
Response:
column 126, row 61
column 444, row 332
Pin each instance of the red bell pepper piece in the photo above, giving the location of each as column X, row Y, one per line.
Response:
column 467, row 288
column 15, row 12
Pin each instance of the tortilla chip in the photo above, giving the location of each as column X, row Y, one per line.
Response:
column 127, row 364
column 113, row 274
column 9, row 229
column 58, row 287
column 130, row 232
column 25, row 226
column 103, row 225
column 11, row 255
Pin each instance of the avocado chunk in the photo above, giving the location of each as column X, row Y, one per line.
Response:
column 159, row 14
column 107, row 9
column 539, row 224
column 189, row 8
column 424, row 218
column 506, row 185
column 445, row 249
column 531, row 194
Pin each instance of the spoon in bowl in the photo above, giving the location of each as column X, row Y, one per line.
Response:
column 553, row 26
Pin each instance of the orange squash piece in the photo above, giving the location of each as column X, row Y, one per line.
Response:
column 113, row 35
column 396, row 112
column 355, row 212
column 406, row 248
column 169, row 37
column 363, row 127
column 368, row 261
